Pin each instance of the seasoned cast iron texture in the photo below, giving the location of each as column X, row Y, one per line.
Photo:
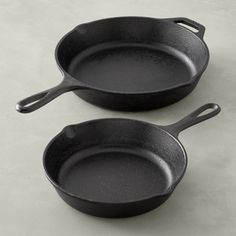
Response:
column 128, row 63
column 119, row 167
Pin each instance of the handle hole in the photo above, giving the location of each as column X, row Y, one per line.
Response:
column 205, row 112
column 191, row 28
column 30, row 101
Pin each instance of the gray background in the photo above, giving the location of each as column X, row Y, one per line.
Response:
column 203, row 203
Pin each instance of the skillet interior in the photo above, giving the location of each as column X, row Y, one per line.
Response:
column 114, row 160
column 132, row 54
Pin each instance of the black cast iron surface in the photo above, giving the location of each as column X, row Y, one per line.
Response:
column 128, row 63
column 119, row 167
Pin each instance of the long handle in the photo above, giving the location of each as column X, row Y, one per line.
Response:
column 185, row 21
column 38, row 100
column 193, row 118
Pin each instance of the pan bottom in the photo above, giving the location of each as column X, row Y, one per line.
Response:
column 132, row 67
column 114, row 174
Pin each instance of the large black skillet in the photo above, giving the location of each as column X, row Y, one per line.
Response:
column 128, row 63
column 119, row 167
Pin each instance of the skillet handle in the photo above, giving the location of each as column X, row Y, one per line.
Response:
column 38, row 100
column 185, row 21
column 193, row 118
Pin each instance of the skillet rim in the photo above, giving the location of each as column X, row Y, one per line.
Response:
column 153, row 196
column 191, row 81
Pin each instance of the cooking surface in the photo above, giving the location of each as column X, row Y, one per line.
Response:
column 204, row 203
column 114, row 175
column 132, row 67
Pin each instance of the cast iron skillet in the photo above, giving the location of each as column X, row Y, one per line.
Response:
column 128, row 63
column 119, row 167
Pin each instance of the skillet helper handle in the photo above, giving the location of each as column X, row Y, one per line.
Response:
column 38, row 100
column 193, row 118
column 185, row 21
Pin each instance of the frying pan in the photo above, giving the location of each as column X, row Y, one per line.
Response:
column 128, row 63
column 119, row 167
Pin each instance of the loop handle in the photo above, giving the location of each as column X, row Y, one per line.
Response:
column 193, row 118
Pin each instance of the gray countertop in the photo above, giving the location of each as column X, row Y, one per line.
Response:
column 204, row 203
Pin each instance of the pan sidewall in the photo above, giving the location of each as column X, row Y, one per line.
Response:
column 135, row 102
column 111, row 210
